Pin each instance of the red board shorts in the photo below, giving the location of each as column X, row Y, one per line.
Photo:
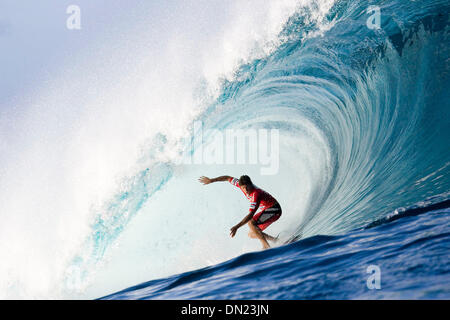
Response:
column 267, row 216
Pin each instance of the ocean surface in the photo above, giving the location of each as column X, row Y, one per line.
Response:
column 359, row 94
column 402, row 259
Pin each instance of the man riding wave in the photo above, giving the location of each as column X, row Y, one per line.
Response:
column 270, row 209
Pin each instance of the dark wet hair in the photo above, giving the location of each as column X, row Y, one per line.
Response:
column 245, row 181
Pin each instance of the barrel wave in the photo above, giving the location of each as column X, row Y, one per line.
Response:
column 363, row 117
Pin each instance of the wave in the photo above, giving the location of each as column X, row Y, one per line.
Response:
column 363, row 121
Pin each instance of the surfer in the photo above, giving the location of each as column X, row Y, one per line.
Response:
column 259, row 199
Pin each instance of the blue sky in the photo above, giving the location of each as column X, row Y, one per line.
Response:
column 35, row 40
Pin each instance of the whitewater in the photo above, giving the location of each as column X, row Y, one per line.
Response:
column 96, row 197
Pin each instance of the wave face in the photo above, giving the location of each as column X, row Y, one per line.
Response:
column 363, row 117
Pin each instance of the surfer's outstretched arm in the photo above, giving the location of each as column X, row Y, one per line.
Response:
column 206, row 180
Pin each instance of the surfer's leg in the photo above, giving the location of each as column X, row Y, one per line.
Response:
column 264, row 219
column 252, row 235
column 257, row 233
column 269, row 237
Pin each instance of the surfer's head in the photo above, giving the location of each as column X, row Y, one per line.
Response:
column 246, row 183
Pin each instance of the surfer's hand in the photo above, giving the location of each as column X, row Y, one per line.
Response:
column 233, row 231
column 205, row 180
